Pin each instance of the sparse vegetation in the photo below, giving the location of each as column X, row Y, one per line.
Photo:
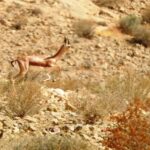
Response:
column 85, row 28
column 142, row 36
column 130, row 130
column 53, row 109
column 54, row 143
column 23, row 98
column 130, row 23
column 111, row 97
column 66, row 84
column 88, row 106
column 146, row 14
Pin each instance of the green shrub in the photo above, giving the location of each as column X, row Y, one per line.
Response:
column 129, row 24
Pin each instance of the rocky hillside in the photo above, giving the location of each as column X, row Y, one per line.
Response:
column 96, row 73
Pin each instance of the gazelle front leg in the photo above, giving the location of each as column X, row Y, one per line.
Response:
column 23, row 69
column 56, row 72
column 52, row 70
column 49, row 77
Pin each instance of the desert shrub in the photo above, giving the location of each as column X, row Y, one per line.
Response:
column 146, row 14
column 107, row 3
column 142, row 36
column 129, row 23
column 89, row 107
column 131, row 130
column 54, row 143
column 35, row 11
column 93, row 107
column 23, row 98
column 85, row 28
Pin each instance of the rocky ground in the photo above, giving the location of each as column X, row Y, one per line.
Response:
column 38, row 27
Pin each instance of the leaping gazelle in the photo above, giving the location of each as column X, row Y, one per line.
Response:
column 44, row 61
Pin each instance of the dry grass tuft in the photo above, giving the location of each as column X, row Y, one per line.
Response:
column 85, row 28
column 55, row 142
column 99, row 100
column 23, row 98
column 129, row 24
column 131, row 129
column 130, row 86
column 88, row 106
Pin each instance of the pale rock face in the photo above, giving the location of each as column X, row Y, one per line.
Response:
column 80, row 9
column 58, row 92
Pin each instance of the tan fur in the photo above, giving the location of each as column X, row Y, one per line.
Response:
column 44, row 61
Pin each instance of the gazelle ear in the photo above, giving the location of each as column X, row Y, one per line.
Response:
column 65, row 40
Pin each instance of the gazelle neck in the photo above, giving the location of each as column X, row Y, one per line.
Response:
column 59, row 53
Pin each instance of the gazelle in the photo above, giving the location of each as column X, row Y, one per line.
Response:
column 44, row 61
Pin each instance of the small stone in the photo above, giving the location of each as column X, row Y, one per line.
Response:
column 91, row 128
column 2, row 117
column 52, row 107
column 30, row 119
column 105, row 66
column 32, row 127
column 122, row 9
column 70, row 107
column 8, row 122
column 65, row 128
column 1, row 125
column 98, row 45
column 16, row 130
column 56, row 115
column 54, row 130
column 1, row 133
column 78, row 128
column 55, row 122
column 86, row 137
